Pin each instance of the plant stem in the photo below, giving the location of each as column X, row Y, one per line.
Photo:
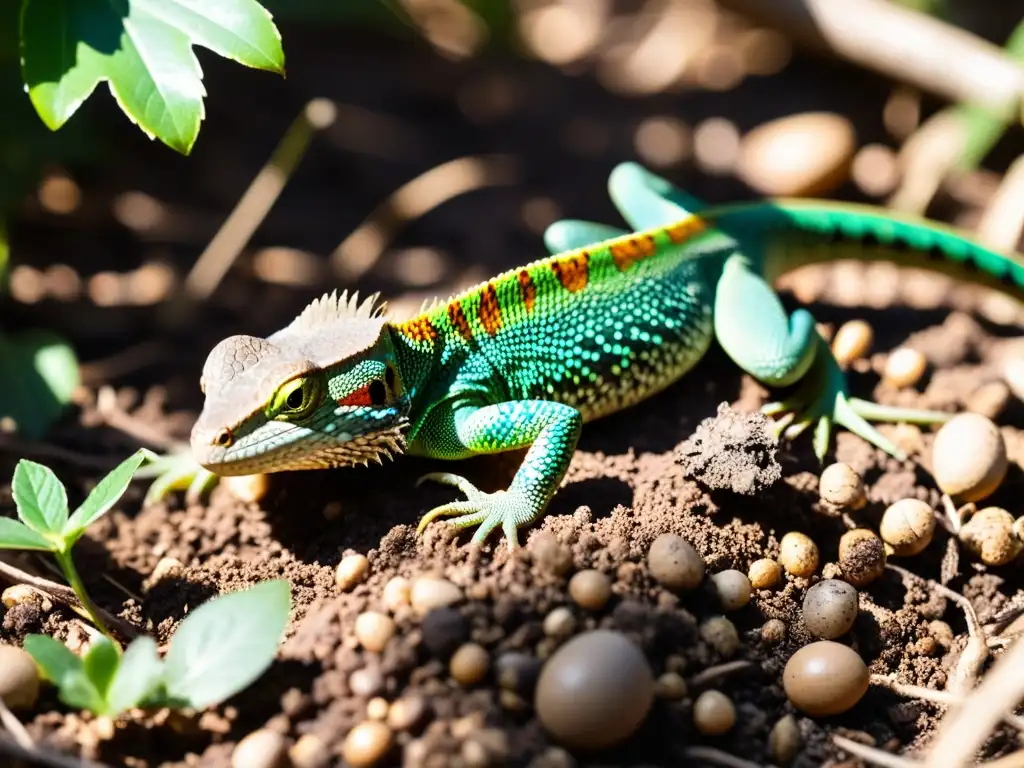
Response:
column 71, row 574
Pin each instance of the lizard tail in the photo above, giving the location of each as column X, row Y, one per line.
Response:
column 791, row 233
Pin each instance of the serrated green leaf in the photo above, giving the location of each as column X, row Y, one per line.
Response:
column 38, row 375
column 143, row 50
column 100, row 662
column 137, row 677
column 103, row 497
column 53, row 657
column 40, row 497
column 226, row 644
column 15, row 535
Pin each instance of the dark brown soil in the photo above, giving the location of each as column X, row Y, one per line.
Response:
column 628, row 482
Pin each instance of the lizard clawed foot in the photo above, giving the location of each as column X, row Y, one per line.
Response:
column 508, row 509
column 820, row 400
column 176, row 471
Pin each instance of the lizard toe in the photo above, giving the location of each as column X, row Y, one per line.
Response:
column 509, row 510
column 176, row 471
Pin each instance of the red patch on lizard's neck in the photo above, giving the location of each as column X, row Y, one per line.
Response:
column 360, row 397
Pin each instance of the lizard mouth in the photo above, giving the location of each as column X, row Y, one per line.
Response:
column 326, row 452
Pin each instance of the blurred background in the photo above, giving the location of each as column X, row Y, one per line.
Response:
column 419, row 146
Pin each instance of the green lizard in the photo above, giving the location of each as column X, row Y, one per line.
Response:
column 524, row 359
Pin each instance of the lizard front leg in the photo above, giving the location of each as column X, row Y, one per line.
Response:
column 753, row 329
column 550, row 429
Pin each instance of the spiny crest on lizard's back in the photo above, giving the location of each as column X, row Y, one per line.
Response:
column 513, row 296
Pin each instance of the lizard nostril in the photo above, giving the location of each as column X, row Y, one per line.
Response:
column 224, row 439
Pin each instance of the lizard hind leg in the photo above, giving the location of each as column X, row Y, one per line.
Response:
column 752, row 327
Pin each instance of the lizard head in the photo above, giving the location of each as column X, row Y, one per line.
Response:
column 323, row 392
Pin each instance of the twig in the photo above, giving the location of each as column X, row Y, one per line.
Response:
column 116, row 417
column 63, row 594
column 975, row 652
column 716, row 757
column 873, row 754
column 711, row 674
column 22, row 448
column 945, row 698
column 41, row 756
column 15, row 728
column 123, row 362
column 902, row 44
column 358, row 252
column 256, row 202
column 966, row 728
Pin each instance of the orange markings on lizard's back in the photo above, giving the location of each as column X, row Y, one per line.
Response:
column 633, row 250
column 685, row 229
column 489, row 311
column 418, row 329
column 572, row 270
column 458, row 320
column 527, row 290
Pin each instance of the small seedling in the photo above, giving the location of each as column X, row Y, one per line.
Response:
column 45, row 523
column 218, row 650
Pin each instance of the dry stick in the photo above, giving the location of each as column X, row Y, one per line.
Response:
column 249, row 212
column 121, row 363
column 975, row 652
column 965, row 729
column 41, row 756
column 14, row 726
column 945, row 698
column 1000, row 226
column 711, row 674
column 717, row 757
column 905, row 45
column 11, row 444
column 358, row 252
column 64, row 595
column 873, row 754
column 116, row 417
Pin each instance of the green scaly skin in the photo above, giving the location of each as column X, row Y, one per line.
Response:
column 529, row 356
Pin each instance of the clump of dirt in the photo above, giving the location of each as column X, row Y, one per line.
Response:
column 732, row 451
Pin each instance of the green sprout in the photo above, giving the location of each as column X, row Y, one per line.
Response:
column 218, row 649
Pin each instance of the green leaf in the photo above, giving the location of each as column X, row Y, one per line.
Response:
column 143, row 50
column 38, row 375
column 53, row 657
column 40, row 497
column 78, row 691
column 15, row 535
column 137, row 677
column 226, row 644
column 103, row 497
column 100, row 662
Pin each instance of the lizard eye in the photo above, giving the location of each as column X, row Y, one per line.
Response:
column 297, row 398
column 224, row 439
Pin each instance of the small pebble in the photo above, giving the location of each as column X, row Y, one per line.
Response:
column 351, row 571
column 590, row 589
column 765, row 573
column 907, row 526
column 852, row 341
column 989, row 400
column 674, row 562
column 430, row 592
column 670, row 685
column 309, row 752
column 559, row 623
column 19, row 677
column 785, row 740
column 373, row 630
column 801, row 155
column 861, row 556
column 713, row 713
column 397, row 593
column 247, row 488
column 733, row 589
column 904, row 367
column 367, row 743
column 23, row 593
column 990, row 535
column 773, row 631
column 260, row 749
column 721, row 635
column 377, row 708
column 517, row 672
column 969, row 459
column 841, row 487
column 830, row 609
column 825, row 678
column 798, row 554
column 366, row 682
column 443, row 630
column 469, row 664
column 407, row 712
column 594, row 691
